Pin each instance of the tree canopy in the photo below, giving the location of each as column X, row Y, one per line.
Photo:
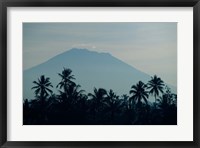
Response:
column 74, row 106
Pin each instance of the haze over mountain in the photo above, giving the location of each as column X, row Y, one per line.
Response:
column 91, row 69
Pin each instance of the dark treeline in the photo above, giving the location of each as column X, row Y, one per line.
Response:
column 72, row 106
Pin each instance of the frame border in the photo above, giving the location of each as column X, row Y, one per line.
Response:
column 98, row 3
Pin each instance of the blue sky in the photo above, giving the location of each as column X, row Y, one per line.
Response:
column 149, row 47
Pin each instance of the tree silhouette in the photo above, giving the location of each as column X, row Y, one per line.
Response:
column 126, row 102
column 165, row 110
column 73, row 90
column 155, row 85
column 113, row 104
column 72, row 107
column 97, row 100
column 99, row 95
column 66, row 79
column 168, row 109
column 127, row 109
column 73, row 93
column 26, row 111
column 41, row 91
column 42, row 87
column 139, row 93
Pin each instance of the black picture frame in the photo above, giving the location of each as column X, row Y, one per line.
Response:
column 4, row 4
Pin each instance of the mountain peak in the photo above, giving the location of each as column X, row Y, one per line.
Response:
column 78, row 49
column 87, row 50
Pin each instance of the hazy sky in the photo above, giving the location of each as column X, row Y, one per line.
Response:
column 149, row 47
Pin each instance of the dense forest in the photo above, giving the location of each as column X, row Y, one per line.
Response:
column 73, row 106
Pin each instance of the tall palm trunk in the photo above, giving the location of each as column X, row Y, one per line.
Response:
column 42, row 109
column 42, row 97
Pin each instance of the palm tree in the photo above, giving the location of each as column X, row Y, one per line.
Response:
column 167, row 109
column 113, row 104
column 164, row 101
column 73, row 93
column 42, row 91
column 97, row 100
column 98, row 96
column 139, row 93
column 155, row 85
column 125, row 100
column 70, row 104
column 42, row 87
column 111, row 95
column 67, row 78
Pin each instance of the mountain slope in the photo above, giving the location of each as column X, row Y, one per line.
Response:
column 91, row 69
